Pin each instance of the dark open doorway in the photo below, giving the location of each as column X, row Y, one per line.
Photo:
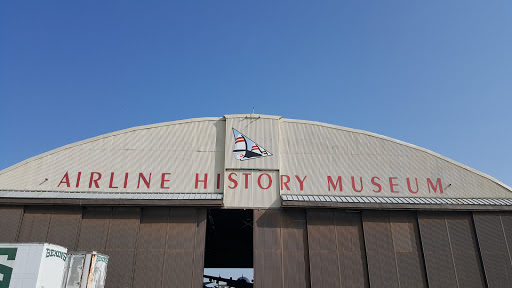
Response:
column 229, row 239
column 229, row 247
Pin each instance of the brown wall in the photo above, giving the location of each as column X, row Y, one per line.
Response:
column 494, row 233
column 147, row 247
column 164, row 246
column 450, row 248
column 280, row 249
column 336, row 249
column 393, row 249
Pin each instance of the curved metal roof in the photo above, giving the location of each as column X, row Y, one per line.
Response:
column 322, row 153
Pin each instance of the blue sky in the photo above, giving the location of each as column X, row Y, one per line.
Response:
column 437, row 74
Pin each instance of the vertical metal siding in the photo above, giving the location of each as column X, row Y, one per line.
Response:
column 263, row 130
column 94, row 229
column 280, row 248
column 183, row 265
column 465, row 250
column 351, row 250
column 407, row 249
column 437, row 250
column 160, row 247
column 121, row 244
column 506, row 220
column 64, row 226
column 10, row 221
column 152, row 237
column 336, row 151
column 323, row 257
column 199, row 247
column 494, row 248
column 449, row 248
column 382, row 263
column 254, row 196
column 295, row 249
column 267, row 249
column 35, row 224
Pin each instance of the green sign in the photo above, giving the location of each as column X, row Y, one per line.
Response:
column 102, row 259
column 6, row 271
column 55, row 253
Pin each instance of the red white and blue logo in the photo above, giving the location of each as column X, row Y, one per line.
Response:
column 246, row 149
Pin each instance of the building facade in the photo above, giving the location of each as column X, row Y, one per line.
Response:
column 317, row 205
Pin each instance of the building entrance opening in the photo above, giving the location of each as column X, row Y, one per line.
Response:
column 229, row 248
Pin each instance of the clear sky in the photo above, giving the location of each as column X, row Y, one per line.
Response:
column 437, row 74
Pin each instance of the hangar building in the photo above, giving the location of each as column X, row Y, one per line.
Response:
column 305, row 204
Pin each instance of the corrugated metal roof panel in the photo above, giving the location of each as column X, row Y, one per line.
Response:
column 486, row 201
column 507, row 201
column 398, row 200
column 100, row 195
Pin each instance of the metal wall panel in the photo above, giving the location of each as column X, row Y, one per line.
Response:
column 323, row 256
column 465, row 250
column 120, row 268
column 65, row 226
column 152, row 238
column 382, row 262
column 94, row 229
column 450, row 250
column 351, row 249
column 160, row 247
column 294, row 248
column 35, row 224
column 268, row 268
column 121, row 244
column 195, row 147
column 437, row 250
column 199, row 247
column 182, row 148
column 10, row 220
column 494, row 248
column 263, row 130
column 280, row 248
column 184, row 254
column 252, row 196
column 506, row 220
column 318, row 150
column 407, row 249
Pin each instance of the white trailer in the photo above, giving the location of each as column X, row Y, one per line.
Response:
column 32, row 265
column 85, row 270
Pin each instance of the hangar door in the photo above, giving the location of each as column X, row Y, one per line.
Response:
column 147, row 246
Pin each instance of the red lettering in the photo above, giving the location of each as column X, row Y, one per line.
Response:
column 218, row 181
column 409, row 186
column 376, row 184
column 285, row 183
column 246, row 179
column 110, row 185
column 392, row 185
column 146, row 181
column 205, row 181
column 65, row 180
column 94, row 180
column 354, row 184
column 269, row 181
column 230, row 178
column 162, row 183
column 125, row 180
column 301, row 182
column 438, row 184
column 78, row 179
column 331, row 183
